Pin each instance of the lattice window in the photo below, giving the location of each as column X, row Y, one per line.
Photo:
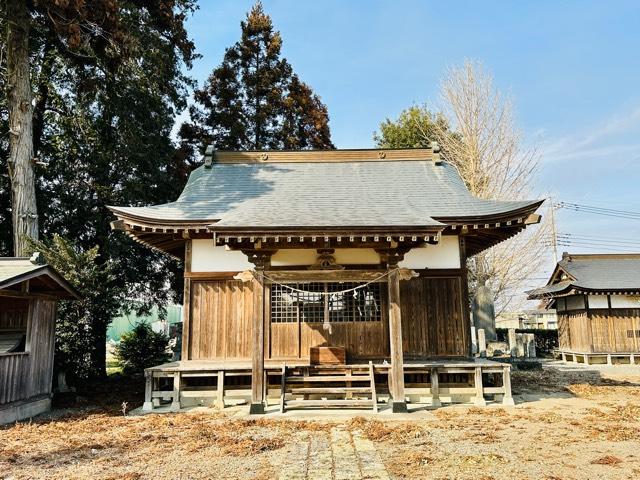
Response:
column 633, row 333
column 315, row 303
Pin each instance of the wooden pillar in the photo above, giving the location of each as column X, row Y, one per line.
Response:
column 186, row 304
column 260, row 259
column 507, row 399
column 435, row 388
column 220, row 388
column 479, row 400
column 396, row 388
column 147, row 406
column 257, row 347
column 177, row 385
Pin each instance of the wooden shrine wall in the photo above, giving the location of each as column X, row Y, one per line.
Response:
column 220, row 324
column 435, row 317
column 29, row 374
column 13, row 313
column 574, row 331
column 615, row 330
column 435, row 323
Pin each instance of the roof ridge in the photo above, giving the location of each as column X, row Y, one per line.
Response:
column 322, row 156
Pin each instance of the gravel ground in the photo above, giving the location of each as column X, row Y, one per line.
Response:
column 570, row 422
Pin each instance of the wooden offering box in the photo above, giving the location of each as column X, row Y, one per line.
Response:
column 327, row 355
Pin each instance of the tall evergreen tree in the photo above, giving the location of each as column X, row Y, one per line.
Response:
column 101, row 128
column 254, row 101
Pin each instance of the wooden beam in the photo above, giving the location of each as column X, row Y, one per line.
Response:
column 532, row 219
column 310, row 156
column 296, row 276
column 395, row 340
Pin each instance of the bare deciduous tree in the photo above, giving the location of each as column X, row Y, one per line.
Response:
column 488, row 152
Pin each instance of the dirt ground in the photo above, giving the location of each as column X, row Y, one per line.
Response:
column 569, row 423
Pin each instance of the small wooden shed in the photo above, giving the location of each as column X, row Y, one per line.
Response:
column 597, row 299
column 29, row 292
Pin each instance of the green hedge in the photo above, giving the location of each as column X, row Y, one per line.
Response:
column 546, row 340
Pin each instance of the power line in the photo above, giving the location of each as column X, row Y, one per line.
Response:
column 600, row 237
column 608, row 212
column 590, row 207
column 613, row 242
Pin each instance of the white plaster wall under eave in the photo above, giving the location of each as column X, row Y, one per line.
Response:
column 206, row 257
column 625, row 301
column 309, row 256
column 445, row 254
column 598, row 301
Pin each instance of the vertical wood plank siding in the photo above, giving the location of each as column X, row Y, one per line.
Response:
column 434, row 323
column 221, row 314
column 13, row 313
column 600, row 330
column 27, row 375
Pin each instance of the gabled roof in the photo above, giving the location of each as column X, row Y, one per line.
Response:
column 358, row 191
column 584, row 273
column 43, row 278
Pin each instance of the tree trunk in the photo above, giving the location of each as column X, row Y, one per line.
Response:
column 21, row 174
column 99, row 353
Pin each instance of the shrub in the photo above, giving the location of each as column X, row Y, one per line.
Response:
column 142, row 348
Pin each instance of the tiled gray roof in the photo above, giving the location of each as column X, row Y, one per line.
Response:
column 603, row 271
column 596, row 272
column 13, row 267
column 14, row 270
column 550, row 290
column 325, row 194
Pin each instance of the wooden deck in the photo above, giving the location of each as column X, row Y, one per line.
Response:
column 298, row 384
column 600, row 358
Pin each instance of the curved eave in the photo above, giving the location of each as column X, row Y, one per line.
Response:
column 480, row 232
column 543, row 292
column 577, row 290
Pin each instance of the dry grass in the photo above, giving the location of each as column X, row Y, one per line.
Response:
column 607, row 460
column 398, row 432
column 548, row 439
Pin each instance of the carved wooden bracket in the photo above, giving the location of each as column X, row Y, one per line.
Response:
column 407, row 274
column 392, row 256
column 260, row 258
column 326, row 260
column 245, row 276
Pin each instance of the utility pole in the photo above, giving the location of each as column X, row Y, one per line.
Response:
column 554, row 232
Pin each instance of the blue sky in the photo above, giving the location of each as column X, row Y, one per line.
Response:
column 572, row 68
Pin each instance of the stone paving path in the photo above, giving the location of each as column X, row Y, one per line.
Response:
column 337, row 455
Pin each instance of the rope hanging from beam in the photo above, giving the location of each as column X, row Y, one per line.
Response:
column 328, row 294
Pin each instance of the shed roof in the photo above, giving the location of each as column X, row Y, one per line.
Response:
column 592, row 273
column 43, row 278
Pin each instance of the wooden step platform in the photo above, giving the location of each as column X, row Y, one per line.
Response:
column 329, row 378
column 326, row 387
column 329, row 403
